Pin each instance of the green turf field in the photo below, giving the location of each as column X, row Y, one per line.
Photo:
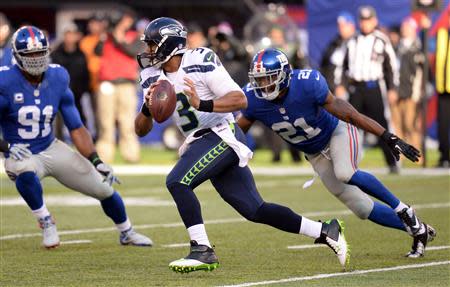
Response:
column 247, row 252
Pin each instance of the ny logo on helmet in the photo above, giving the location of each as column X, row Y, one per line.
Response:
column 283, row 59
column 33, row 43
column 173, row 30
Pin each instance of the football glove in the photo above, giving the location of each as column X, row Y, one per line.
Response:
column 19, row 151
column 108, row 173
column 397, row 146
column 104, row 169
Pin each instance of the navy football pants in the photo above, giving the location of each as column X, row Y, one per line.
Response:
column 210, row 158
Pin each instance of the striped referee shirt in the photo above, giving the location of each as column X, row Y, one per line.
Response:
column 370, row 58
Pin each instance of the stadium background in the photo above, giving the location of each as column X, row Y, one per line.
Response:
column 313, row 22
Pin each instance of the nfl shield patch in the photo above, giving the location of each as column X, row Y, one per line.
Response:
column 18, row 98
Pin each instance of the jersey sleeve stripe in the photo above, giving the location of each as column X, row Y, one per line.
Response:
column 351, row 146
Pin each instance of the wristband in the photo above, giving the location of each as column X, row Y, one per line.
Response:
column 386, row 136
column 95, row 159
column 145, row 111
column 206, row 106
column 4, row 146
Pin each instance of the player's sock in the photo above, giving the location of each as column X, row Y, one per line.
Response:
column 124, row 226
column 372, row 186
column 41, row 212
column 115, row 209
column 279, row 217
column 198, row 233
column 400, row 207
column 310, row 228
column 386, row 216
column 30, row 189
column 187, row 204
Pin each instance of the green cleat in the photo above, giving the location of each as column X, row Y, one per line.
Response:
column 201, row 257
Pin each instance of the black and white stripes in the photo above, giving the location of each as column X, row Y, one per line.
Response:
column 371, row 58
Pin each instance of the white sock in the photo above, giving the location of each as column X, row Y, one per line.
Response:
column 198, row 233
column 310, row 228
column 400, row 207
column 124, row 225
column 41, row 212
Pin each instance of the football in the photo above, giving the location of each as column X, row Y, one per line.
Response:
column 164, row 101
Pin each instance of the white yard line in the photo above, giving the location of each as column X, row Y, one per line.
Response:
column 309, row 246
column 144, row 169
column 306, row 246
column 330, row 275
column 438, row 247
column 80, row 200
column 175, row 245
column 216, row 221
column 75, row 242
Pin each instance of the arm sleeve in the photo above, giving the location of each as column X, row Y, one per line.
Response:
column 390, row 71
column 67, row 107
column 218, row 80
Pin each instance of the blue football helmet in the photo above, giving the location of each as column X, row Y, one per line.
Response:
column 168, row 36
column 270, row 73
column 31, row 50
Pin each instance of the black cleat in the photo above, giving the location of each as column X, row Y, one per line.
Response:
column 332, row 234
column 201, row 257
column 420, row 242
column 411, row 222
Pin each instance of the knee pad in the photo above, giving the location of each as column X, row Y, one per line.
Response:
column 357, row 201
column 344, row 174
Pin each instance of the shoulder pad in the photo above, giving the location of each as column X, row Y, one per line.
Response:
column 202, row 56
column 148, row 76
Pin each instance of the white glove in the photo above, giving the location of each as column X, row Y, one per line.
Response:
column 20, row 151
column 108, row 173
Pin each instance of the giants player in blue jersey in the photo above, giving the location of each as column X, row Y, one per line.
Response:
column 214, row 148
column 298, row 105
column 32, row 92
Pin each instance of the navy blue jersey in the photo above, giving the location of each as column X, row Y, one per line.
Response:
column 299, row 117
column 27, row 112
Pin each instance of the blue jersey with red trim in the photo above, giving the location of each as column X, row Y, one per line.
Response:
column 299, row 117
column 27, row 112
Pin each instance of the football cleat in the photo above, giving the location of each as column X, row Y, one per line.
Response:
column 201, row 257
column 420, row 242
column 50, row 237
column 332, row 234
column 131, row 237
column 412, row 223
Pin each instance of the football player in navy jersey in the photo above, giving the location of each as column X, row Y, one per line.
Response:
column 32, row 92
column 298, row 105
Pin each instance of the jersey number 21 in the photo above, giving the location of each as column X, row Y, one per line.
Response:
column 288, row 131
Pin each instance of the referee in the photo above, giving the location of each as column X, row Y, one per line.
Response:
column 369, row 70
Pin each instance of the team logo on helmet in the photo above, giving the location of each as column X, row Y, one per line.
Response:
column 172, row 30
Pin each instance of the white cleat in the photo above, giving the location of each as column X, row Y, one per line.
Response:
column 131, row 237
column 50, row 237
column 332, row 234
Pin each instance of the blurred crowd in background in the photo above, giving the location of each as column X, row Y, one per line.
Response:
column 99, row 52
